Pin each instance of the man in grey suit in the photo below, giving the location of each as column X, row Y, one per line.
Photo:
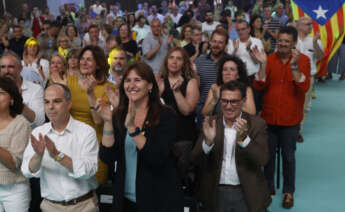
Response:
column 230, row 153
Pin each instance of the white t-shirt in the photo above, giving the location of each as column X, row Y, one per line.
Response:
column 176, row 18
column 306, row 47
column 242, row 53
column 209, row 28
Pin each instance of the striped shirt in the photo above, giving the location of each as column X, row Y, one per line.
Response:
column 273, row 25
column 207, row 71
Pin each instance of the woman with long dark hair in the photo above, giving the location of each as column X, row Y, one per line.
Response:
column 230, row 68
column 14, row 135
column 138, row 138
column 91, row 83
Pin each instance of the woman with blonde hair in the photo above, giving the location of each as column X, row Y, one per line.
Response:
column 64, row 44
column 57, row 69
column 33, row 59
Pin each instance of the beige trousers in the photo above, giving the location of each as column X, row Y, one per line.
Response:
column 89, row 205
column 307, row 102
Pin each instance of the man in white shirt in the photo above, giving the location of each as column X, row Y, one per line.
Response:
column 63, row 154
column 242, row 48
column 312, row 47
column 175, row 15
column 231, row 152
column 32, row 93
column 209, row 25
column 155, row 14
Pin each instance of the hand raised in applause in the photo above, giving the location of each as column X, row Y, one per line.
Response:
column 177, row 84
column 104, row 110
column 259, row 56
column 113, row 96
column 241, row 128
column 87, row 82
column 295, row 56
column 130, row 117
column 51, row 147
column 38, row 145
column 209, row 130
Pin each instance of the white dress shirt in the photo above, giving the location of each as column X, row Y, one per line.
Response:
column 228, row 175
column 209, row 28
column 33, row 98
column 58, row 183
column 243, row 53
column 306, row 47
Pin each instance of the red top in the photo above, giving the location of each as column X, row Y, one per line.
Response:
column 283, row 98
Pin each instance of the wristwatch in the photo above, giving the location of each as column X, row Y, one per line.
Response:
column 294, row 68
column 135, row 133
column 60, row 156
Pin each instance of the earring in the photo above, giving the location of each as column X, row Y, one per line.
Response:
column 12, row 103
column 150, row 91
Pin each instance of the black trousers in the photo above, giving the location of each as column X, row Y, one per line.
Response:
column 129, row 206
column 285, row 137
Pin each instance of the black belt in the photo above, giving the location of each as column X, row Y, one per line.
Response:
column 230, row 186
column 73, row 201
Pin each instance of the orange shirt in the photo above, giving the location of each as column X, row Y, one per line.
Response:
column 283, row 98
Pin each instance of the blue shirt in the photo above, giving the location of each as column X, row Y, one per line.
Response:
column 131, row 155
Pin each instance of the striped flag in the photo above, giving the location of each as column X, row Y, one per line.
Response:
column 328, row 19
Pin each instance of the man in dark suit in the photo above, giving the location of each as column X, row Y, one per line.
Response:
column 230, row 153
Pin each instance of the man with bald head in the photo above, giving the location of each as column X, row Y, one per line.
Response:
column 63, row 154
column 312, row 47
column 156, row 45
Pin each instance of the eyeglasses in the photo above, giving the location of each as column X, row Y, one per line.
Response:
column 233, row 102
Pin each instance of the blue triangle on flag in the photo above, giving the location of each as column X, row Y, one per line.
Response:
column 320, row 10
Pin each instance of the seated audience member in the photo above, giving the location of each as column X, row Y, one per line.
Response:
column 14, row 134
column 63, row 154
column 230, row 154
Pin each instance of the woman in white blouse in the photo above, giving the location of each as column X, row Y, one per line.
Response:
column 33, row 59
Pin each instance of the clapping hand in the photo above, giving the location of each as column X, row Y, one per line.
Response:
column 236, row 44
column 259, row 56
column 113, row 96
column 316, row 37
column 295, row 56
column 177, row 84
column 87, row 82
column 241, row 128
column 215, row 94
column 104, row 110
column 129, row 122
column 51, row 147
column 38, row 145
column 209, row 130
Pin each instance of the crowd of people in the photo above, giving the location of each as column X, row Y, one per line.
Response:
column 182, row 98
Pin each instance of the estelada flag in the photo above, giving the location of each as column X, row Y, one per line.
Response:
column 328, row 19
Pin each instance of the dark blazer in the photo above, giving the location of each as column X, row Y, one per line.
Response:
column 157, row 189
column 249, row 161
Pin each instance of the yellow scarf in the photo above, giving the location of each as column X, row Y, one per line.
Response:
column 63, row 52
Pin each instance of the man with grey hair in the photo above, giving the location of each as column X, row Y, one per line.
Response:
column 156, row 45
column 312, row 47
column 63, row 154
column 10, row 66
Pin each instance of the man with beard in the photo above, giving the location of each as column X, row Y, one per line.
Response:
column 284, row 76
column 207, row 65
column 209, row 25
column 10, row 66
column 117, row 60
